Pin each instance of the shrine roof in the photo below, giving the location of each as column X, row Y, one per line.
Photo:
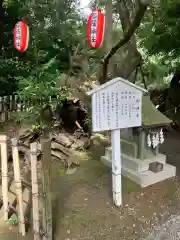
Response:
column 109, row 83
column 152, row 116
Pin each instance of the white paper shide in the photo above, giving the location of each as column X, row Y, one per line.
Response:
column 155, row 138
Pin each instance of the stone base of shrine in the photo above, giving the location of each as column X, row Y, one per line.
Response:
column 138, row 171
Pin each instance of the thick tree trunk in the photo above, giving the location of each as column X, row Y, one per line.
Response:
column 133, row 58
column 127, row 37
column 109, row 32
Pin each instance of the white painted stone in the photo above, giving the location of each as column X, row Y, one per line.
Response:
column 136, row 164
column 145, row 178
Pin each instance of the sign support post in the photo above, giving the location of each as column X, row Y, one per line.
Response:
column 116, row 105
column 116, row 166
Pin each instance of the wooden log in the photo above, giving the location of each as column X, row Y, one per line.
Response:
column 56, row 145
column 35, row 192
column 57, row 154
column 70, row 137
column 61, row 157
column 46, row 188
column 26, row 135
column 63, row 140
column 4, row 167
column 17, row 178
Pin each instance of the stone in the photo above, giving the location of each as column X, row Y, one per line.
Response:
column 144, row 177
column 155, row 167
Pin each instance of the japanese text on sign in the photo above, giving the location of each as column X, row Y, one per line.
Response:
column 116, row 107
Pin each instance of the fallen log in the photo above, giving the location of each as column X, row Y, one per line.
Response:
column 57, row 151
column 61, row 157
column 63, row 140
column 57, row 146
column 63, row 146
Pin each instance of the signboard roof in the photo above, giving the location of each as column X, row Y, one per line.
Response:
column 115, row 80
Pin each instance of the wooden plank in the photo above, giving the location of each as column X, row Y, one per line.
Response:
column 35, row 191
column 4, row 167
column 57, row 145
column 11, row 199
column 6, row 108
column 26, row 200
column 46, row 188
column 17, row 178
column 15, row 103
column 11, row 103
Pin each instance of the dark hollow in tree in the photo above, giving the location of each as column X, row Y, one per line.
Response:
column 71, row 112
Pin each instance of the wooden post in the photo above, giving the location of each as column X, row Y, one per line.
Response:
column 116, row 166
column 4, row 167
column 17, row 179
column 46, row 188
column 141, row 145
column 35, row 193
column 6, row 108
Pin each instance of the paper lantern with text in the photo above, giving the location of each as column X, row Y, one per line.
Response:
column 95, row 28
column 21, row 36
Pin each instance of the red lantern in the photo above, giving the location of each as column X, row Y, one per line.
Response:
column 21, row 36
column 95, row 28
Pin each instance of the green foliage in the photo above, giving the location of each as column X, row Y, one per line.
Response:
column 37, row 90
column 154, row 71
column 159, row 33
column 53, row 34
column 13, row 220
column 56, row 28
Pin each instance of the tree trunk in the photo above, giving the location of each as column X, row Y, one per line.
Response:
column 109, row 32
column 127, row 37
column 133, row 58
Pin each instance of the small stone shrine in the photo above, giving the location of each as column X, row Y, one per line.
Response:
column 141, row 160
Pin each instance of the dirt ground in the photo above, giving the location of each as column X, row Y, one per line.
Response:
column 83, row 208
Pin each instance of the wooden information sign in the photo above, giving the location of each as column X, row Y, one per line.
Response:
column 116, row 104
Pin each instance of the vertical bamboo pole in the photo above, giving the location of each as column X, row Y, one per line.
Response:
column 35, row 195
column 46, row 188
column 4, row 167
column 17, row 179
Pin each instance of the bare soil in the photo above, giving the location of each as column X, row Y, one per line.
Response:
column 83, row 208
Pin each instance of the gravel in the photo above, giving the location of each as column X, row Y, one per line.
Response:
column 169, row 230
